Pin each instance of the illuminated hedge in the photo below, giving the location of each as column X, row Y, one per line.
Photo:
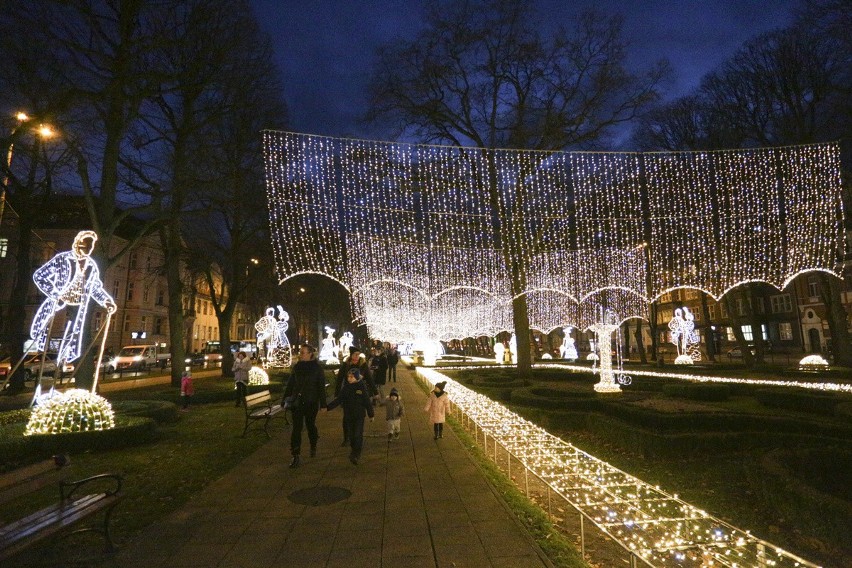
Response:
column 75, row 410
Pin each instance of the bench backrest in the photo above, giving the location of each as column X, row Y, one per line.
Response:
column 30, row 479
column 258, row 398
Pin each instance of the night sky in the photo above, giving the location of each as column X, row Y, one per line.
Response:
column 325, row 48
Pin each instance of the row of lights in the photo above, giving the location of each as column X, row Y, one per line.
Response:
column 653, row 524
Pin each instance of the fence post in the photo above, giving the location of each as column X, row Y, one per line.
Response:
column 582, row 536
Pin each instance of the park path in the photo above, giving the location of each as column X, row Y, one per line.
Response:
column 413, row 502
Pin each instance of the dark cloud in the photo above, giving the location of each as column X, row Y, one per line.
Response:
column 324, row 48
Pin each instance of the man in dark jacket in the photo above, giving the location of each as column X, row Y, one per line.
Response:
column 393, row 361
column 306, row 391
column 355, row 400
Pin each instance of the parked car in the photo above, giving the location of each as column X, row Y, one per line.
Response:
column 31, row 366
column 737, row 352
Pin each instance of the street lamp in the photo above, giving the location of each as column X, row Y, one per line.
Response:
column 43, row 130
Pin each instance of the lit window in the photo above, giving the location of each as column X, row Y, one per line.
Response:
column 785, row 331
column 813, row 286
column 747, row 334
column 4, row 247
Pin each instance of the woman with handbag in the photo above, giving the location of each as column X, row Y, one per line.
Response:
column 305, row 395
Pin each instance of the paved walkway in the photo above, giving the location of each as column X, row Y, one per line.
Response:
column 414, row 502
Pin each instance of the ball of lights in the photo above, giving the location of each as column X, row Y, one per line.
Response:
column 813, row 362
column 75, row 410
column 257, row 376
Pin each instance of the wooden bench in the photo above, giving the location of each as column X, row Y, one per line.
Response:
column 71, row 508
column 259, row 407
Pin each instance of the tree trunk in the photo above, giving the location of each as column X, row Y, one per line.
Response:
column 652, row 324
column 709, row 335
column 736, row 326
column 830, row 292
column 18, row 301
column 173, row 249
column 521, row 321
column 640, row 345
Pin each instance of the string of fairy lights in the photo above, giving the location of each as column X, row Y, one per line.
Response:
column 438, row 227
column 656, row 526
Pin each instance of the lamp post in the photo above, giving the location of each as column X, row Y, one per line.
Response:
column 44, row 131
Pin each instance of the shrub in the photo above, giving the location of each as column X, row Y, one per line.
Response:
column 158, row 410
column 801, row 400
column 697, row 391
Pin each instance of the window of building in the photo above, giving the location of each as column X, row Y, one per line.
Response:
column 813, row 287
column 724, row 309
column 665, row 298
column 711, row 309
column 785, row 331
column 130, row 291
column 665, row 316
column 696, row 313
column 143, row 323
column 691, row 294
column 115, row 286
column 126, row 322
column 160, row 297
column 146, row 294
column 759, row 307
column 747, row 334
column 158, row 326
column 98, row 321
column 729, row 333
column 782, row 303
column 4, row 248
column 133, row 259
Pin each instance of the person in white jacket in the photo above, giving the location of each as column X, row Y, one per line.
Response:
column 437, row 407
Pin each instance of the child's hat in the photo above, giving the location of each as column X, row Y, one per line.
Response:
column 441, row 385
column 394, row 392
column 353, row 349
column 355, row 373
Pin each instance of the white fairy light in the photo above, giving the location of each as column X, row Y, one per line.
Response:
column 657, row 526
column 346, row 341
column 257, row 376
column 813, row 362
column 568, row 349
column 328, row 351
column 272, row 338
column 427, row 224
column 75, row 410
column 684, row 336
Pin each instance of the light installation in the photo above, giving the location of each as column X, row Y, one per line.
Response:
column 272, row 338
column 328, row 351
column 652, row 524
column 70, row 280
column 568, row 349
column 75, row 410
column 424, row 231
column 813, row 362
column 684, row 336
column 346, row 341
column 257, row 376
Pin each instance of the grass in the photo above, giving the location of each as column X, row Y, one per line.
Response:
column 158, row 477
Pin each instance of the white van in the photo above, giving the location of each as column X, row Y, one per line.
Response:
column 138, row 358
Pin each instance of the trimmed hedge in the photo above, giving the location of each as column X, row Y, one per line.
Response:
column 17, row 449
column 697, row 391
column 802, row 400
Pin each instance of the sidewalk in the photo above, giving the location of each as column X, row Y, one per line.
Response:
column 414, row 502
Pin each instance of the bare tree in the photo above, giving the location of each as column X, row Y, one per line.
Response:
column 481, row 75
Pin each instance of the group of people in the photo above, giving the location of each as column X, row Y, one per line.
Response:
column 359, row 389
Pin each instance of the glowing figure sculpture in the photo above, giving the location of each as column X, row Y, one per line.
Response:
column 258, row 376
column 346, row 341
column 267, row 333
column 69, row 280
column 568, row 350
column 328, row 351
column 75, row 410
column 499, row 352
column 592, row 356
column 685, row 337
column 513, row 348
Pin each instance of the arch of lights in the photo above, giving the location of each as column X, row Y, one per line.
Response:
column 420, row 235
column 654, row 525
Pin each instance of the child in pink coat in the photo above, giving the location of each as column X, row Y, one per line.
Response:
column 437, row 407
column 186, row 389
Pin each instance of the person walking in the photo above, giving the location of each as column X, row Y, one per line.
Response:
column 393, row 361
column 241, row 369
column 437, row 406
column 355, row 400
column 186, row 389
column 379, row 372
column 394, row 410
column 353, row 362
column 306, row 388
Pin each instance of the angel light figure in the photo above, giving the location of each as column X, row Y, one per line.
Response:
column 328, row 351
column 346, row 341
column 568, row 350
column 684, row 336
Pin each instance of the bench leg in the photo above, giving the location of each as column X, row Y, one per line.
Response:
column 107, row 534
column 265, row 427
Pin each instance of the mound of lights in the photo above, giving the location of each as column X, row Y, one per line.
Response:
column 257, row 376
column 656, row 526
column 75, row 410
column 813, row 362
column 418, row 223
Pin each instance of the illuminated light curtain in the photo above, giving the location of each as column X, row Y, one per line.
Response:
column 365, row 212
column 304, row 216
